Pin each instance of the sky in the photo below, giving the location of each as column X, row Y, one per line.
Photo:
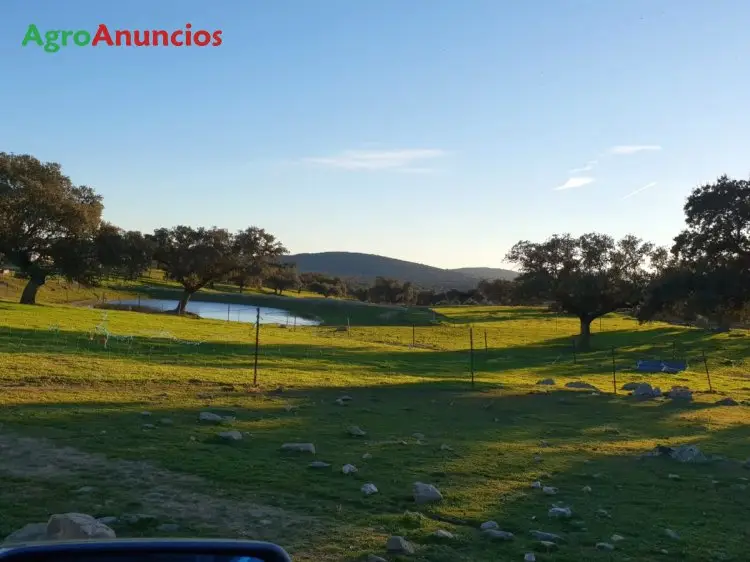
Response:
column 436, row 131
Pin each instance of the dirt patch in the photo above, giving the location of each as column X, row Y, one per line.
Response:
column 165, row 494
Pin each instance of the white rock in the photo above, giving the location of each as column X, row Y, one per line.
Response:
column 544, row 536
column 32, row 532
column 529, row 557
column 210, row 417
column 299, row 447
column 445, row 447
column 487, row 525
column 536, row 485
column 356, row 431
column 617, row 538
column 373, row 558
column 366, row 456
column 108, row 520
column 671, row 534
column 399, row 545
column 580, row 384
column 233, row 435
column 148, row 426
column 603, row 513
column 605, row 546
column 538, row 458
column 549, row 490
column 419, row 436
column 586, row 489
column 72, row 526
column 499, row 535
column 560, row 512
column 674, row 476
column 369, row 489
column 166, row 421
column 442, row 534
column 346, row 398
column 146, row 414
column 348, row 469
column 426, row 493
column 319, row 464
column 340, row 402
column 85, row 490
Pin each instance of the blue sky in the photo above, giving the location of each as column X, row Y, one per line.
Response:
column 429, row 130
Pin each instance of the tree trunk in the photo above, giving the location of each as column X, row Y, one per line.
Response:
column 182, row 305
column 584, row 339
column 29, row 291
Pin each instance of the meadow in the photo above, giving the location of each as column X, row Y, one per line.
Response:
column 112, row 430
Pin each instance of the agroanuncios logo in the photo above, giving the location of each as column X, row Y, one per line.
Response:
column 53, row 40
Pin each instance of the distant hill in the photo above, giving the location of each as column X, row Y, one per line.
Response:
column 366, row 267
column 487, row 272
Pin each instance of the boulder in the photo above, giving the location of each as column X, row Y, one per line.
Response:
column 356, row 431
column 630, row 386
column 319, row 464
column 582, row 385
column 210, row 417
column 727, row 402
column 299, row 447
column 442, row 534
column 680, row 393
column 348, row 469
column 74, row 526
column 33, row 532
column 499, row 535
column 399, row 545
column 487, row 525
column 560, row 512
column 369, row 489
column 645, row 391
column 426, row 493
column 544, row 536
column 233, row 435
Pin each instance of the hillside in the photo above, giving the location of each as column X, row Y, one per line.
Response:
column 487, row 272
column 366, row 267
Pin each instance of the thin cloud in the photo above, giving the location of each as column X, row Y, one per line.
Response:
column 575, row 182
column 637, row 191
column 587, row 168
column 374, row 160
column 634, row 148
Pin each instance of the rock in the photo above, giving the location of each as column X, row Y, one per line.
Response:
column 605, row 546
column 166, row 421
column 210, row 417
column 536, row 485
column 529, row 557
column 538, row 458
column 499, row 535
column 148, row 426
column 299, row 447
column 544, row 443
column 146, row 414
column 73, row 526
column 487, row 525
column 108, row 520
column 672, row 534
column 426, row 493
column 581, row 384
column 85, row 490
column 617, row 538
column 560, row 512
column 366, row 456
column 548, row 545
column 33, row 532
column 644, row 391
column 369, row 489
column 578, row 525
column 727, row 402
column 586, row 489
column 356, row 431
column 168, row 528
column 373, row 558
column 680, row 393
column 340, row 402
column 445, row 447
column 674, row 476
column 399, row 545
column 346, row 398
column 418, row 436
column 442, row 534
column 688, row 453
column 348, row 469
column 319, row 464
column 630, row 386
column 546, row 382
column 603, row 513
column 549, row 490
column 233, row 435
column 543, row 536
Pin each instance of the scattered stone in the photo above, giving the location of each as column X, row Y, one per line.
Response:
column 85, row 490
column 581, row 384
column 603, row 513
column 487, row 525
column 560, row 512
column 265, row 522
column 672, row 534
column 399, row 545
column 192, row 438
column 366, row 456
column 586, row 489
column 529, row 557
column 544, row 536
column 348, row 469
column 299, row 447
column 73, row 526
column 536, row 485
column 728, row 401
column 630, row 386
column 548, row 545
column 442, row 534
column 680, row 393
column 538, row 458
column 233, row 435
column 549, row 490
column 346, row 398
column 681, row 453
column 108, row 520
column 544, row 443
column 617, row 538
column 340, row 402
column 148, row 426
column 373, row 558
column 418, row 436
column 426, row 493
column 319, row 464
column 168, row 528
column 546, row 382
column 445, row 447
column 166, row 421
column 499, row 535
column 33, row 532
column 674, row 477
column 356, row 431
column 146, row 414
column 369, row 489
column 605, row 546
column 210, row 417
column 644, row 391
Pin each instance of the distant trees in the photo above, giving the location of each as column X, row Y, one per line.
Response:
column 282, row 278
column 588, row 276
column 323, row 284
column 47, row 224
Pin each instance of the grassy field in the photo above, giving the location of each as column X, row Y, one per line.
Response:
column 72, row 417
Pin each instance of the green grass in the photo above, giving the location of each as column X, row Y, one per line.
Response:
column 60, row 388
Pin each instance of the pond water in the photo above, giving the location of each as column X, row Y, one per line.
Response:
column 224, row 311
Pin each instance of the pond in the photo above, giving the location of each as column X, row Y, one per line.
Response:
column 224, row 311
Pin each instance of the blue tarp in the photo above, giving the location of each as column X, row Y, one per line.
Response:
column 660, row 366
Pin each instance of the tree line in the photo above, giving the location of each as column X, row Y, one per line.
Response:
column 50, row 227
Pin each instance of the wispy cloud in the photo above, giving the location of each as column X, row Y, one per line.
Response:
column 399, row 160
column 637, row 191
column 575, row 182
column 587, row 168
column 634, row 148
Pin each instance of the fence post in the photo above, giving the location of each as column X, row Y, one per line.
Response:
column 708, row 375
column 257, row 337
column 413, row 335
column 295, row 323
column 485, row 342
column 348, row 327
column 575, row 360
column 228, row 307
column 614, row 370
column 471, row 354
column 674, row 350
